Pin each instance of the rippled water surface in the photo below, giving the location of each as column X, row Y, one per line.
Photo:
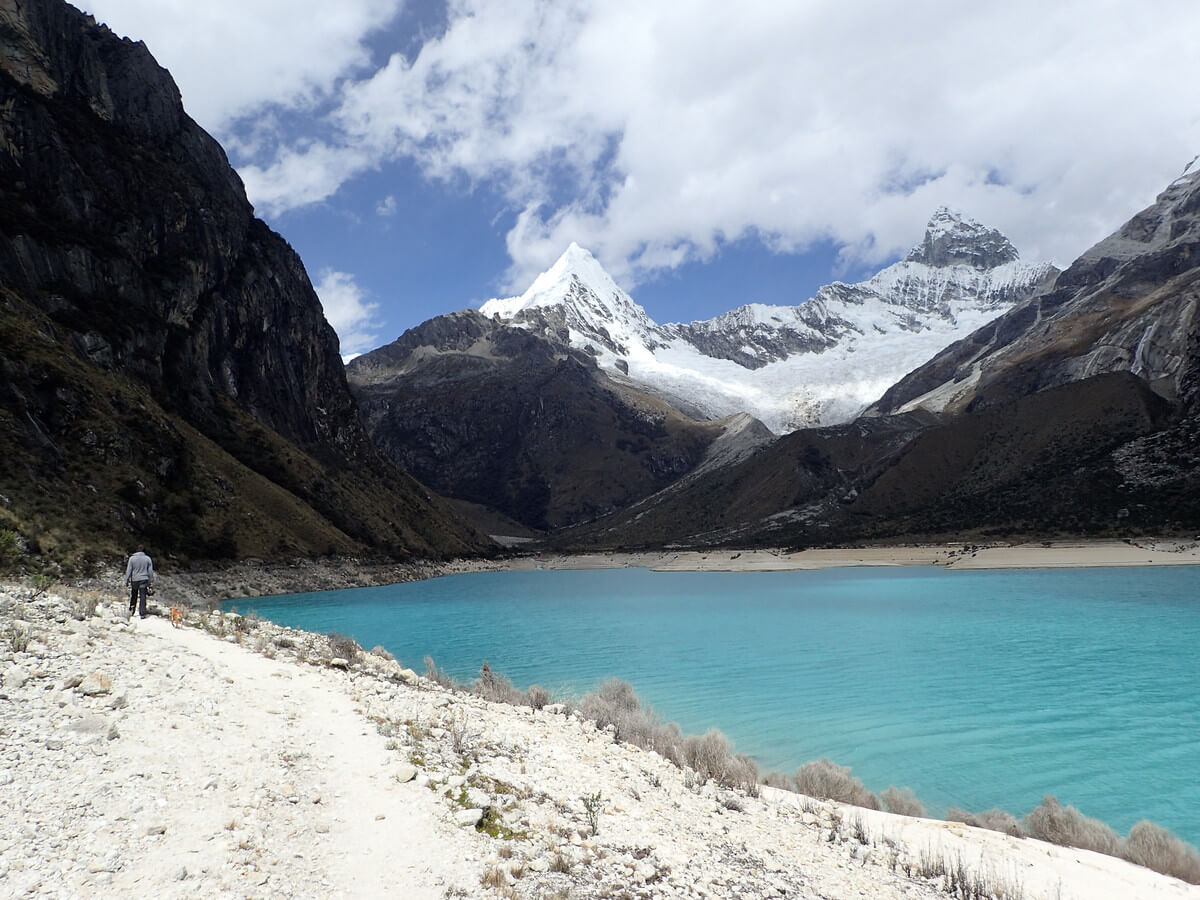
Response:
column 976, row 689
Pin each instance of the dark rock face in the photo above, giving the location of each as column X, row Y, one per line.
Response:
column 1127, row 304
column 949, row 241
column 501, row 416
column 126, row 237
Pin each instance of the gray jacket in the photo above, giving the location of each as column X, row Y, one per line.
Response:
column 139, row 568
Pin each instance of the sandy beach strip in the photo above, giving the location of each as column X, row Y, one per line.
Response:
column 1035, row 555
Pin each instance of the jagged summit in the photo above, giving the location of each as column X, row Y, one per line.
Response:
column 954, row 239
column 576, row 266
column 819, row 361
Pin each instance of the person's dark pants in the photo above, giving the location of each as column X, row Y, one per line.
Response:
column 137, row 597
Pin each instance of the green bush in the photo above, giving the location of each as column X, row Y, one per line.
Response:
column 10, row 547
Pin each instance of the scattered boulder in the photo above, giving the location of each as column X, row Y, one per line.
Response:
column 16, row 677
column 406, row 773
column 470, row 817
column 95, row 684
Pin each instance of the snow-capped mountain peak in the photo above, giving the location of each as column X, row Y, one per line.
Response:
column 575, row 264
column 818, row 362
column 576, row 293
column 954, row 239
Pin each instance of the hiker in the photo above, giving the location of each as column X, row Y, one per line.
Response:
column 139, row 575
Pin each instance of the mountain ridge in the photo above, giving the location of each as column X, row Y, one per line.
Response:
column 169, row 375
column 789, row 366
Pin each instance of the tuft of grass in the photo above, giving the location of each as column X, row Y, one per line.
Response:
column 902, row 802
column 593, row 805
column 17, row 638
column 826, row 780
column 494, row 878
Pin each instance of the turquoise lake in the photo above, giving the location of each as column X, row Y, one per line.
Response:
column 976, row 689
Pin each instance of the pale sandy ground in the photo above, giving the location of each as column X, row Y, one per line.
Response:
column 141, row 760
column 1041, row 555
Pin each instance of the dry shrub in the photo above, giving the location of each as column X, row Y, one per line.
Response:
column 902, row 802
column 992, row 820
column 436, row 675
column 537, row 696
column 343, row 646
column 778, row 780
column 615, row 703
column 494, row 686
column 826, row 780
column 709, row 756
column 1156, row 848
column 381, row 652
column 1067, row 826
column 667, row 742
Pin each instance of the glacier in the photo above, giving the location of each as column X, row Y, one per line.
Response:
column 819, row 362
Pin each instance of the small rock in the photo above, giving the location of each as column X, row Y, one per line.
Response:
column 54, row 744
column 72, row 681
column 16, row 677
column 406, row 773
column 181, row 874
column 470, row 817
column 95, row 685
column 156, row 828
column 408, row 676
column 339, row 663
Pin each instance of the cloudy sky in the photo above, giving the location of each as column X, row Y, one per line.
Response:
column 424, row 156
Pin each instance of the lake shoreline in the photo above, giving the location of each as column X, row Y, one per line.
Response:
column 248, row 579
column 303, row 774
column 1032, row 555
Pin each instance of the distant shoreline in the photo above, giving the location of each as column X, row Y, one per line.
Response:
column 249, row 578
column 1039, row 555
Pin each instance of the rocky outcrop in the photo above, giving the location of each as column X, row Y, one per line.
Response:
column 1130, row 304
column 141, row 299
column 503, row 417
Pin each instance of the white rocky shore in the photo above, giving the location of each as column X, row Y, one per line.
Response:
column 229, row 758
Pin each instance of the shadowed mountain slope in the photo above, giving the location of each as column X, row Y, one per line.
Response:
column 502, row 417
column 168, row 374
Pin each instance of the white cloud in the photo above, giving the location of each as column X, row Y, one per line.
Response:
column 386, row 207
column 230, row 57
column 651, row 133
column 348, row 311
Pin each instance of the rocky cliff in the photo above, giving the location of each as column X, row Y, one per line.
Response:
column 165, row 356
column 503, row 417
